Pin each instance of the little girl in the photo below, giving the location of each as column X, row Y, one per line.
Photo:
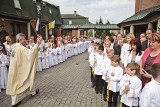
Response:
column 3, row 69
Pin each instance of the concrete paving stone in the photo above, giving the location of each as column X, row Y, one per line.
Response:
column 67, row 102
column 77, row 104
column 88, row 105
column 61, row 105
column 66, row 105
column 64, row 85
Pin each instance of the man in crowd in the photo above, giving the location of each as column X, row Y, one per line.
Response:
column 116, row 46
column 146, row 43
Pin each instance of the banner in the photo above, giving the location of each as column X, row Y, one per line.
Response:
column 33, row 24
column 51, row 24
column 37, row 25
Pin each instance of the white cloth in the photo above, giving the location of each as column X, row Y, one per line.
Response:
column 55, row 56
column 137, row 59
column 59, row 54
column 114, row 80
column 90, row 49
column 100, row 64
column 50, row 59
column 45, row 62
column 107, row 64
column 91, row 59
column 124, row 52
column 135, row 85
column 3, row 71
column 39, row 66
column 150, row 96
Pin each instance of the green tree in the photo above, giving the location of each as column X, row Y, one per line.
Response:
column 90, row 33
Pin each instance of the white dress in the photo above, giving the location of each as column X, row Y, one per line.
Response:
column 39, row 65
column 65, row 52
column 3, row 71
column 50, row 59
column 47, row 60
column 125, row 52
column 44, row 60
column 62, row 53
column 55, row 56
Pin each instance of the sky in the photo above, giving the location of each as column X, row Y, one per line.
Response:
column 113, row 10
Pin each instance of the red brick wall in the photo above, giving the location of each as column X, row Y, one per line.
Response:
column 144, row 4
column 74, row 33
column 7, row 24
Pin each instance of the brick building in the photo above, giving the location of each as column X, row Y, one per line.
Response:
column 145, row 4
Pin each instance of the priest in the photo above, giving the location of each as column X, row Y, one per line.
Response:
column 22, row 70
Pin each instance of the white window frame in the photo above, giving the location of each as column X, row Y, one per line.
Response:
column 70, row 22
column 17, row 4
column 50, row 11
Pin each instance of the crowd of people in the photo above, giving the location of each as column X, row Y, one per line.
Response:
column 128, row 67
column 50, row 53
column 120, row 65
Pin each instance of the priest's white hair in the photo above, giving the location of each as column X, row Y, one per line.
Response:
column 19, row 36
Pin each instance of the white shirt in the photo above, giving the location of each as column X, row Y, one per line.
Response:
column 150, row 96
column 135, row 85
column 91, row 59
column 137, row 59
column 100, row 64
column 114, row 80
column 90, row 49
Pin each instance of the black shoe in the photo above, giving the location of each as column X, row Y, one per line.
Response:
column 114, row 105
column 16, row 105
column 97, row 92
column 3, row 89
column 37, row 91
column 92, row 86
column 109, row 104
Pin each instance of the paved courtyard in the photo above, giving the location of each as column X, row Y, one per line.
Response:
column 64, row 85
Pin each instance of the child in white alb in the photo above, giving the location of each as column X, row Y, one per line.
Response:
column 115, row 74
column 130, row 86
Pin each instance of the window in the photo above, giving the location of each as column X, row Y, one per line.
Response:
column 15, row 28
column 38, row 9
column 34, row 1
column 70, row 22
column 18, row 28
column 50, row 11
column 12, row 29
column 17, row 4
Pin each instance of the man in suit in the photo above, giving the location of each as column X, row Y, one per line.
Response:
column 116, row 46
column 146, row 43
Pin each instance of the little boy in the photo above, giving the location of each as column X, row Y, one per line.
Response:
column 101, row 64
column 150, row 96
column 130, row 86
column 115, row 74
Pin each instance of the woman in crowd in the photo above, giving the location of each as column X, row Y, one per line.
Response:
column 135, row 53
column 125, row 48
column 151, row 56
